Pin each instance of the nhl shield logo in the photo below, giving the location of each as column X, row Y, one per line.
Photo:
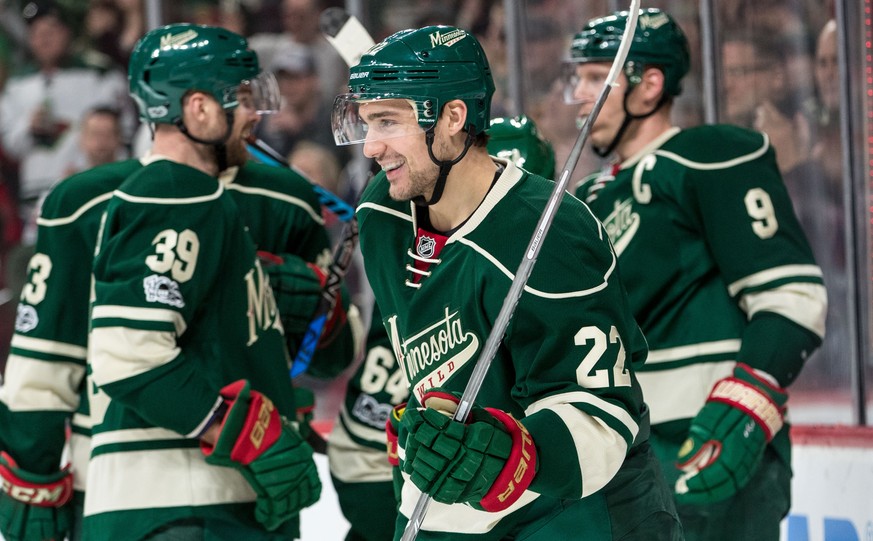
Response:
column 426, row 246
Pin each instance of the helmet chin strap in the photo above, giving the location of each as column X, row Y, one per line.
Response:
column 445, row 167
column 628, row 117
column 219, row 144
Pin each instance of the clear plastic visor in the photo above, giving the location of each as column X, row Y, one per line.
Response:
column 582, row 81
column 356, row 119
column 260, row 94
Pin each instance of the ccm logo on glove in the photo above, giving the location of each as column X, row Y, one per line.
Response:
column 54, row 493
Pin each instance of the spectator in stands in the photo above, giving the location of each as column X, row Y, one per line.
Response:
column 300, row 26
column 304, row 115
column 100, row 140
column 40, row 109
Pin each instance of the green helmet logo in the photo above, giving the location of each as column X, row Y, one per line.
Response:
column 518, row 140
column 658, row 41
column 430, row 67
column 172, row 60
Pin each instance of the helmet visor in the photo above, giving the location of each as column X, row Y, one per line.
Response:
column 357, row 118
column 260, row 94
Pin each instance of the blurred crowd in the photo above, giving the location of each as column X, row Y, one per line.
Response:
column 64, row 104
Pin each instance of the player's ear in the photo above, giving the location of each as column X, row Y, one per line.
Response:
column 652, row 84
column 195, row 105
column 454, row 116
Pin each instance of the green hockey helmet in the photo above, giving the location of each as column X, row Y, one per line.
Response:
column 427, row 68
column 172, row 60
column 518, row 140
column 658, row 41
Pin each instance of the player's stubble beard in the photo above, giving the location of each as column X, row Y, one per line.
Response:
column 421, row 181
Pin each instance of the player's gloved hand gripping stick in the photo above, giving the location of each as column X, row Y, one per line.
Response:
column 495, row 337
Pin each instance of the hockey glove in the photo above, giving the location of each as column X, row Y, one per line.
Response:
column 269, row 453
column 34, row 507
column 728, row 436
column 392, row 432
column 487, row 462
column 297, row 287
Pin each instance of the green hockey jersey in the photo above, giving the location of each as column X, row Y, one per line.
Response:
column 356, row 447
column 716, row 265
column 175, row 318
column 45, row 370
column 45, row 376
column 565, row 366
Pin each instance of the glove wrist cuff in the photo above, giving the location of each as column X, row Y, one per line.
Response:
column 751, row 400
column 392, row 434
column 520, row 468
column 32, row 489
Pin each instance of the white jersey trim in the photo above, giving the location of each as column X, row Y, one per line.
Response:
column 119, row 353
column 37, row 385
column 353, row 463
column 160, row 478
column 385, row 210
column 140, row 314
column 456, row 518
column 54, row 222
column 679, row 393
column 775, row 273
column 52, row 347
column 537, row 292
column 803, row 303
column 717, row 165
column 316, row 217
column 578, row 397
column 600, row 450
column 693, row 351
column 171, row 200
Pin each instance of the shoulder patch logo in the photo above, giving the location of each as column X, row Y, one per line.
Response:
column 26, row 318
column 159, row 288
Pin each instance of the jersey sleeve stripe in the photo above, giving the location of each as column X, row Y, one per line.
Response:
column 537, row 292
column 157, row 315
column 590, row 432
column 680, row 392
column 54, row 222
column 316, row 217
column 578, row 397
column 33, row 385
column 802, row 303
column 692, row 351
column 351, row 463
column 49, row 347
column 112, row 360
column 770, row 275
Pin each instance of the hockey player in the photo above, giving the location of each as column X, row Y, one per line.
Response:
column 719, row 274
column 282, row 216
column 360, row 471
column 557, row 439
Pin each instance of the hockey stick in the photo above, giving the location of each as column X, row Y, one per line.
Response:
column 527, row 263
column 334, row 203
column 351, row 40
